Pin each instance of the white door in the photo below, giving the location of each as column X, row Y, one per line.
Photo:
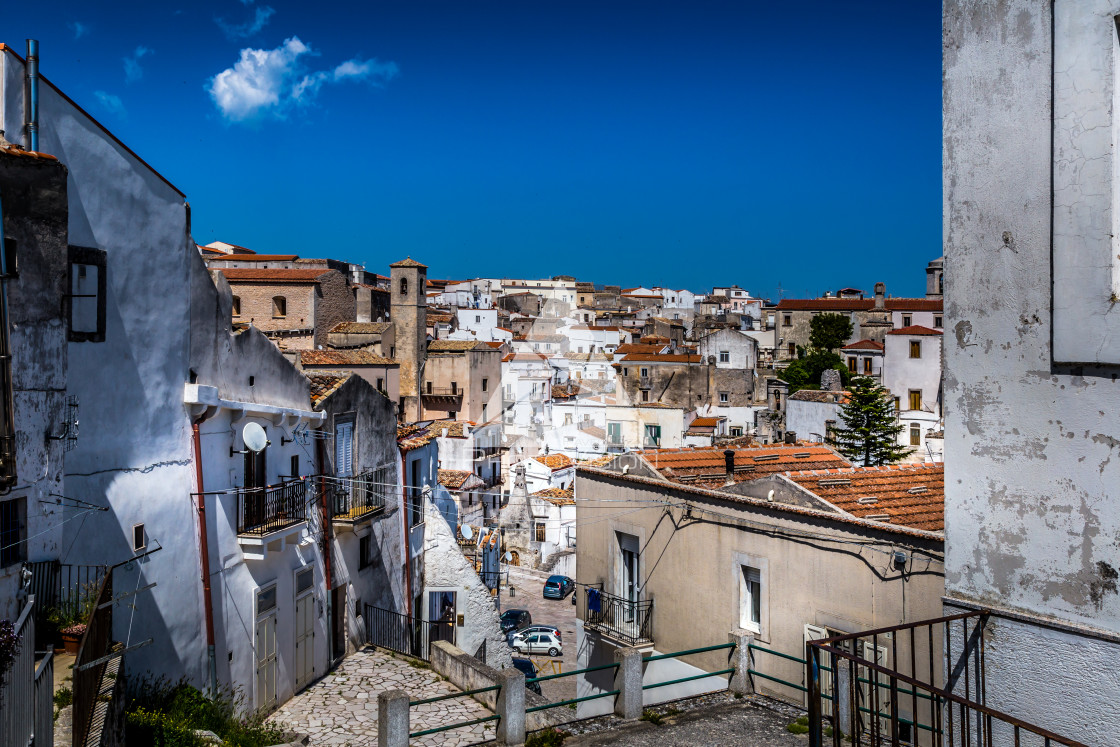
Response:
column 266, row 662
column 305, row 641
column 869, row 652
column 815, row 633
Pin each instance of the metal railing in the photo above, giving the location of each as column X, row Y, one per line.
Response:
column 458, row 724
column 689, row 652
column 398, row 632
column 630, row 622
column 920, row 684
column 87, row 671
column 443, row 391
column 264, row 510
column 361, row 497
column 26, row 689
column 60, row 587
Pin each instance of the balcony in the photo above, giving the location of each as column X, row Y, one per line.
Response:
column 622, row 620
column 266, row 515
column 357, row 502
column 442, row 397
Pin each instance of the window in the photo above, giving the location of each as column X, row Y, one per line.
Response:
column 294, row 474
column 724, row 398
column 725, row 356
column 614, row 433
column 12, row 546
column 304, row 579
column 454, row 387
column 567, row 418
column 485, row 384
column 477, row 319
column 735, row 431
column 787, row 320
column 237, row 305
column 404, row 286
column 750, row 598
column 87, row 294
column 279, row 307
column 539, row 530
column 381, row 385
column 484, row 413
column 897, row 404
column 906, row 320
column 938, row 322
column 11, row 263
column 915, row 399
column 645, row 372
column 266, row 599
column 428, row 387
column 915, row 434
column 625, row 371
column 344, row 448
column 915, row 348
column 867, row 365
column 645, row 395
column 653, row 435
column 415, row 498
column 365, row 551
column 852, row 365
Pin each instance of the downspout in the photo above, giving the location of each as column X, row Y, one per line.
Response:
column 327, row 575
column 204, row 548
column 33, row 94
column 407, row 550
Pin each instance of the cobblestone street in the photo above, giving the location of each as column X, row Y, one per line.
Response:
column 341, row 708
column 559, row 612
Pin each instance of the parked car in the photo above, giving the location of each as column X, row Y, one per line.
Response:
column 558, row 587
column 515, row 620
column 539, row 643
column 526, row 667
column 525, row 632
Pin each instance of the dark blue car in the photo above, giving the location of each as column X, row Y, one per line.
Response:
column 558, row 587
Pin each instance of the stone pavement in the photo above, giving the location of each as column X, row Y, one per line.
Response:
column 341, row 708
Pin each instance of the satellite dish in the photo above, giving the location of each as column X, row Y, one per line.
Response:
column 507, row 557
column 467, row 531
column 254, row 437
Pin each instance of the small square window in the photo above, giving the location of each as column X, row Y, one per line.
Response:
column 938, row 322
column 485, row 383
column 279, row 307
column 906, row 320
column 724, row 398
column 725, row 356
column 237, row 305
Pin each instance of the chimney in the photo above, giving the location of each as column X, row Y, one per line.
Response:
column 729, row 464
column 880, row 293
column 791, row 437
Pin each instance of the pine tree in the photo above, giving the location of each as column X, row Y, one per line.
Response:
column 870, row 435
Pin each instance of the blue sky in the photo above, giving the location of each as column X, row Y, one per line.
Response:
column 675, row 143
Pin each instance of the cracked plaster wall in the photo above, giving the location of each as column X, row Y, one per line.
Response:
column 1032, row 448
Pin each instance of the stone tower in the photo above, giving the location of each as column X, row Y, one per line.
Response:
column 409, row 313
column 877, row 320
column 935, row 272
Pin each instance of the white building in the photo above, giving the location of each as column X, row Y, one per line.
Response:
column 546, row 471
column 527, row 380
column 864, row 358
column 912, row 373
column 731, row 349
column 586, row 338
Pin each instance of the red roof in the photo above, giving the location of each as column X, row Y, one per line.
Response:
column 707, row 467
column 259, row 257
column 524, row 357
column 661, row 358
column 858, row 304
column 906, row 495
column 705, row 422
column 864, row 345
column 343, row 358
column 252, row 275
column 914, row 329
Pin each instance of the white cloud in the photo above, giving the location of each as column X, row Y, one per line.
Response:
column 249, row 28
column 132, row 70
column 271, row 81
column 110, row 103
column 79, row 29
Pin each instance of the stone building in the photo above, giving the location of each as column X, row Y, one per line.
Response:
column 683, row 380
column 409, row 316
column 383, row 374
column 294, row 308
column 461, row 380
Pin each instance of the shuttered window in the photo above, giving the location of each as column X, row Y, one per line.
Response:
column 344, row 449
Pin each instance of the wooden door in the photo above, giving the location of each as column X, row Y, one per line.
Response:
column 305, row 641
column 266, row 662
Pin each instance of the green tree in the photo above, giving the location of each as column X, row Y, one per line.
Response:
column 870, row 435
column 829, row 331
column 805, row 372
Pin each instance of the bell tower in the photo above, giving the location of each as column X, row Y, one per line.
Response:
column 408, row 312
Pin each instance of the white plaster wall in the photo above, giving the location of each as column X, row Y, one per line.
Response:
column 807, row 419
column 1032, row 462
column 901, row 373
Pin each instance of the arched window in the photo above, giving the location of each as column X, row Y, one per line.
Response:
column 404, row 286
column 279, row 307
column 237, row 305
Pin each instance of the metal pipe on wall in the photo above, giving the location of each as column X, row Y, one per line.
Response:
column 33, row 94
column 204, row 552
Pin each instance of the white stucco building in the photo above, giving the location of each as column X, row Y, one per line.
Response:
column 912, row 373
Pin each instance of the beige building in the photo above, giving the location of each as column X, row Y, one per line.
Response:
column 408, row 313
column 383, row 374
column 461, row 380
column 295, row 308
column 679, row 547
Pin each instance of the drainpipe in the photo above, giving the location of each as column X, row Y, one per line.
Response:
column 207, row 600
column 407, row 549
column 33, row 94
column 327, row 575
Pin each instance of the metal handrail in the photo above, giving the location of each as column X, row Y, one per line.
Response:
column 457, row 725
column 571, row 673
column 264, row 510
column 460, row 694
column 691, row 651
column 689, row 679
column 630, row 622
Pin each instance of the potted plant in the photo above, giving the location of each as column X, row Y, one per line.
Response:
column 72, row 636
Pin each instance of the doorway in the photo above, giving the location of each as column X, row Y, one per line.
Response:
column 305, row 629
column 441, row 613
column 265, row 649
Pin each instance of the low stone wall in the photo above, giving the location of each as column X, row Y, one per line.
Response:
column 468, row 673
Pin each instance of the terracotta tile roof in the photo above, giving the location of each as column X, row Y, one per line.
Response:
column 631, row 347
column 864, row 345
column 326, row 383
column 661, row 358
column 453, row 478
column 495, row 343
column 409, row 262
column 707, row 468
column 554, row 461
column 361, row 327
column 343, row 358
column 272, row 275
column 564, row 391
column 13, row 150
column 452, row 346
column 817, row 395
column 705, row 422
column 259, row 257
column 557, row 496
column 240, row 249
column 531, row 357
column 415, row 435
column 654, row 340
column 906, row 495
column 914, row 329
column 858, row 304
column 434, row 318
column 455, row 428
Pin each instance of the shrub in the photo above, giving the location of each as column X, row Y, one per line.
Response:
column 161, row 713
column 63, row 697
column 546, row 738
column 652, row 716
column 800, row 726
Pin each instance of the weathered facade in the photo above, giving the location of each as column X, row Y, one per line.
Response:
column 296, row 308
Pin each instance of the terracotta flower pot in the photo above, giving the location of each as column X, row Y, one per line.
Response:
column 70, row 643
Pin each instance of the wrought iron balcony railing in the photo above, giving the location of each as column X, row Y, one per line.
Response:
column 264, row 510
column 630, row 622
column 361, row 497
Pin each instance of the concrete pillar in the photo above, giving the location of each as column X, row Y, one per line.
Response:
column 511, row 707
column 843, row 694
column 628, row 682
column 392, row 718
column 740, row 681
